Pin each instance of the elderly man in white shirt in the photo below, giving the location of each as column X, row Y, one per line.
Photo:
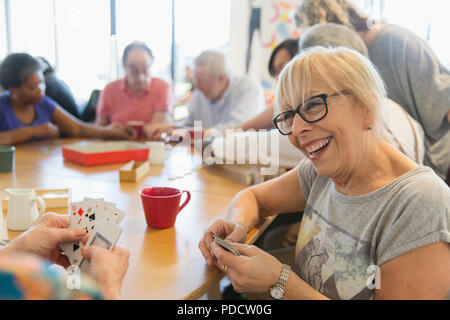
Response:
column 220, row 100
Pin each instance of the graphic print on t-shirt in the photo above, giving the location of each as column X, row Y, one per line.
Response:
column 331, row 260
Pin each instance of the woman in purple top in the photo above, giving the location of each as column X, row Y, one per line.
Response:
column 26, row 114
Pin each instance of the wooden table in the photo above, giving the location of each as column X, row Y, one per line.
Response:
column 164, row 264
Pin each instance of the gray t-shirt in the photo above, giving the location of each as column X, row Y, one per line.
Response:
column 343, row 240
column 417, row 81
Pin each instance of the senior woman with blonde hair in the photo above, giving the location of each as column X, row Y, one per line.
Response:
column 370, row 213
column 414, row 76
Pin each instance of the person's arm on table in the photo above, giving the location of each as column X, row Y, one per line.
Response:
column 46, row 130
column 250, row 206
column 76, row 128
column 101, row 121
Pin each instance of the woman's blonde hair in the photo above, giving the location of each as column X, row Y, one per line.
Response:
column 312, row 12
column 340, row 68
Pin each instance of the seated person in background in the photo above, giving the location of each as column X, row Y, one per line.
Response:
column 281, row 55
column 366, row 205
column 25, row 264
column 138, row 96
column 57, row 89
column 25, row 113
column 220, row 100
column 414, row 76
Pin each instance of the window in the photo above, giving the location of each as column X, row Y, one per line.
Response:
column 3, row 38
column 31, row 32
column 199, row 25
column 75, row 36
column 83, row 44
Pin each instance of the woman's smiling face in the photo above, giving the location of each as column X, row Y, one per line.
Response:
column 333, row 144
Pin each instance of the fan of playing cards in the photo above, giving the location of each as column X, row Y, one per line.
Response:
column 101, row 221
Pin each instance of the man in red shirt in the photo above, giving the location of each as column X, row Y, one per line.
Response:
column 138, row 96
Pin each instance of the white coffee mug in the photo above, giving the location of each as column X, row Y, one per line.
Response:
column 157, row 149
column 22, row 208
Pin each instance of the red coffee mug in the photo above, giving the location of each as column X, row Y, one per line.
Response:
column 162, row 205
column 138, row 126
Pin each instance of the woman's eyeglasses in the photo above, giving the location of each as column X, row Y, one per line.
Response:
column 311, row 110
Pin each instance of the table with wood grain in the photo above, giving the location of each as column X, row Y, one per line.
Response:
column 164, row 263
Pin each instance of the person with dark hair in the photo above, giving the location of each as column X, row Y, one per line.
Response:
column 26, row 113
column 136, row 45
column 414, row 76
column 138, row 96
column 57, row 89
column 281, row 55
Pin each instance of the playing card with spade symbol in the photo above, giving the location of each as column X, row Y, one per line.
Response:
column 83, row 215
column 86, row 215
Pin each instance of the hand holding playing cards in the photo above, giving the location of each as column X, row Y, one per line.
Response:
column 44, row 237
column 228, row 230
column 107, row 268
column 253, row 271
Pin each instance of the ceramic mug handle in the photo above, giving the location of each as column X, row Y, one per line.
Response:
column 188, row 198
column 40, row 203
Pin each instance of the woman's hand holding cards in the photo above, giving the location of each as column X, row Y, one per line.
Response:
column 253, row 271
column 230, row 231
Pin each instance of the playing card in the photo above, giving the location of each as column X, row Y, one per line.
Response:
column 92, row 212
column 78, row 213
column 85, row 215
column 226, row 245
column 113, row 214
column 105, row 235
